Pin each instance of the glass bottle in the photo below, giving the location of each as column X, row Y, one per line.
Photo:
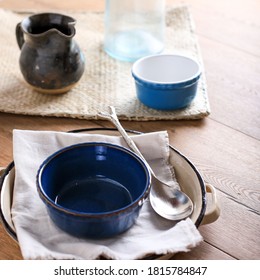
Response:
column 134, row 28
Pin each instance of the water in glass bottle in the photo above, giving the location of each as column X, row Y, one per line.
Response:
column 134, row 28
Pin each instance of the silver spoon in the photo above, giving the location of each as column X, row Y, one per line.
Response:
column 166, row 201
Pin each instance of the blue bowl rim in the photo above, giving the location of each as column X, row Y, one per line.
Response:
column 137, row 202
column 164, row 86
column 11, row 165
column 167, row 85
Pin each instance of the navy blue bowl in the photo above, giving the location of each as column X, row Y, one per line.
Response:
column 166, row 82
column 93, row 189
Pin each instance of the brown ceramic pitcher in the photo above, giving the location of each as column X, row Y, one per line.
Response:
column 50, row 60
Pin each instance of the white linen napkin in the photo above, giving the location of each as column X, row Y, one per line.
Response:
column 39, row 238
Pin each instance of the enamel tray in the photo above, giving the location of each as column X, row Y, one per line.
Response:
column 187, row 175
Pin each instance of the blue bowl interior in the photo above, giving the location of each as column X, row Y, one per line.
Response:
column 93, row 178
column 166, row 69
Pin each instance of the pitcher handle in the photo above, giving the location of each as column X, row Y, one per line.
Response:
column 19, row 35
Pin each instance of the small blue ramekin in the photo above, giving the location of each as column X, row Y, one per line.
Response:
column 166, row 81
column 93, row 190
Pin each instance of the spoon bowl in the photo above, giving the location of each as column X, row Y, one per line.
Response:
column 166, row 201
column 169, row 203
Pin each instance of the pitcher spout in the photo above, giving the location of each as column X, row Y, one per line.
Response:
column 39, row 24
column 50, row 60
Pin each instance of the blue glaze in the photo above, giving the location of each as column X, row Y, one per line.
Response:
column 94, row 226
column 93, row 190
column 166, row 82
column 90, row 195
column 165, row 96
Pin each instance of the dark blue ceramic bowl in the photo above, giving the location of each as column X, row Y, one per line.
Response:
column 165, row 81
column 93, row 190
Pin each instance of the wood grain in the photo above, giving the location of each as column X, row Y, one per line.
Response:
column 233, row 87
column 236, row 165
column 204, row 251
column 237, row 229
column 236, row 23
column 9, row 248
column 224, row 147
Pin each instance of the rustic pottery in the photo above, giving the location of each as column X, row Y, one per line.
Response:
column 50, row 60
column 93, row 189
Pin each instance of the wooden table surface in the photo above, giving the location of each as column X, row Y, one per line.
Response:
column 224, row 146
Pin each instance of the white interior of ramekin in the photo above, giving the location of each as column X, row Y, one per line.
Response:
column 166, row 69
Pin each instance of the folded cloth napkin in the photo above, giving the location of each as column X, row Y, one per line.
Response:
column 39, row 238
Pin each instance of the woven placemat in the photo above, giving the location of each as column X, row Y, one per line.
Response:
column 105, row 81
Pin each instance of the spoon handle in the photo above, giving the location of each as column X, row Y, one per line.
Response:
column 114, row 119
column 177, row 202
